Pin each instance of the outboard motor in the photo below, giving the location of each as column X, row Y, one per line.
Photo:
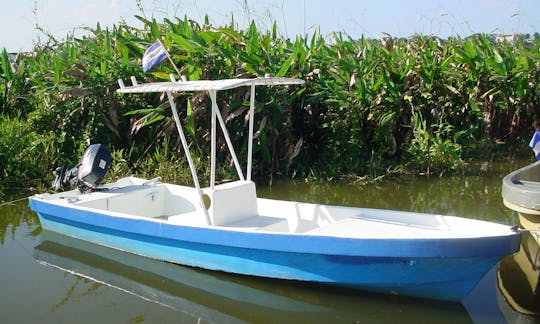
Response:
column 88, row 174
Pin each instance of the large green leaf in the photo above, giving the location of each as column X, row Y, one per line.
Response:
column 186, row 44
column 6, row 66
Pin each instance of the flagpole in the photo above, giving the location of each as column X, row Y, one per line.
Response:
column 170, row 59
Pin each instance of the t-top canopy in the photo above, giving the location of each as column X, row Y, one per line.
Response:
column 212, row 86
column 206, row 85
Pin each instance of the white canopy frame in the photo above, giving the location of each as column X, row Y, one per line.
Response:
column 217, row 113
column 212, row 87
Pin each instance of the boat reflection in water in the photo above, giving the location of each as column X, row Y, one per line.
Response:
column 518, row 279
column 221, row 297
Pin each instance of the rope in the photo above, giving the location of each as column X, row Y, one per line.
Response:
column 13, row 201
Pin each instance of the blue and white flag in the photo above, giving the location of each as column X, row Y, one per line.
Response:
column 535, row 144
column 153, row 56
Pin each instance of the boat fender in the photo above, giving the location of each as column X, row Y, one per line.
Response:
column 206, row 201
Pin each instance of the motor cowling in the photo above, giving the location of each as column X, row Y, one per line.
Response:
column 88, row 174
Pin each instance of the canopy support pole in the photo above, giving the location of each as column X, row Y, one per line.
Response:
column 217, row 113
column 188, row 156
column 250, row 136
column 212, row 94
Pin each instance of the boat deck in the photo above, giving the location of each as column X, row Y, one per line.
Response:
column 131, row 198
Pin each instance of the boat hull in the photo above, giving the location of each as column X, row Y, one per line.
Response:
column 521, row 193
column 531, row 223
column 529, row 219
column 444, row 270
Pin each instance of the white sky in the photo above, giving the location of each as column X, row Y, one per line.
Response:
column 18, row 18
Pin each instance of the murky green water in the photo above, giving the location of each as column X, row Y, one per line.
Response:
column 48, row 278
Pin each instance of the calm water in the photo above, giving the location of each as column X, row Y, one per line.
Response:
column 48, row 278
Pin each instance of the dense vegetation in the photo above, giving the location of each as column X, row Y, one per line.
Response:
column 369, row 107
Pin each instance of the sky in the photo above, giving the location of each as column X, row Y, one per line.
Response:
column 25, row 22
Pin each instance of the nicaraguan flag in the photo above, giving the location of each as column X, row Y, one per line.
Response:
column 153, row 56
column 535, row 144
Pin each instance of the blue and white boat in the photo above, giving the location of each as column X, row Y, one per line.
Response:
column 226, row 227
